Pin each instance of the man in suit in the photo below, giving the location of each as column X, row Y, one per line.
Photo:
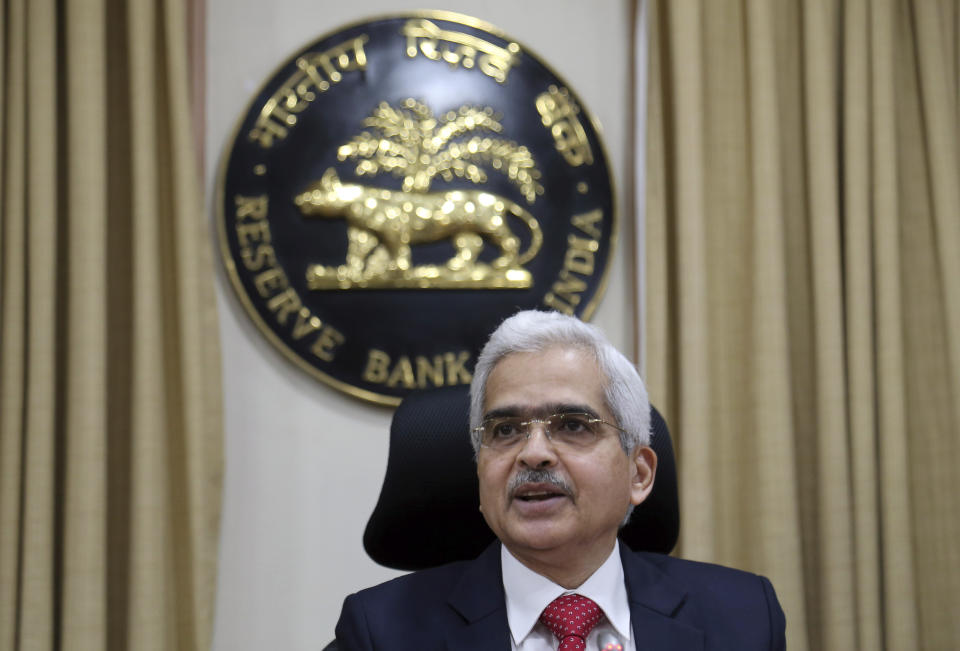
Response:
column 561, row 426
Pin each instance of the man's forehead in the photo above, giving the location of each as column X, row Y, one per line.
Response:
column 564, row 359
column 558, row 378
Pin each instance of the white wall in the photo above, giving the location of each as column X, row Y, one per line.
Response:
column 304, row 462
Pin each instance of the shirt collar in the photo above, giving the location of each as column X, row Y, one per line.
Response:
column 528, row 593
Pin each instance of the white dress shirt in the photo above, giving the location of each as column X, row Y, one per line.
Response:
column 528, row 593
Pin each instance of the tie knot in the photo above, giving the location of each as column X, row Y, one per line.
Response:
column 571, row 617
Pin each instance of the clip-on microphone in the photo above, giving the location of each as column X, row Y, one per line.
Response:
column 609, row 642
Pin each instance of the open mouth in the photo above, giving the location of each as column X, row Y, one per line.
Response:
column 538, row 493
column 538, row 497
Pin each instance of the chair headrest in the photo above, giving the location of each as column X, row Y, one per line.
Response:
column 428, row 513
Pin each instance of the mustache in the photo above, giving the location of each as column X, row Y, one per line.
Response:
column 531, row 476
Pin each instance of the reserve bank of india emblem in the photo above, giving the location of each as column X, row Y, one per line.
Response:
column 401, row 186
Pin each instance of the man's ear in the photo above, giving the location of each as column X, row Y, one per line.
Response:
column 644, row 462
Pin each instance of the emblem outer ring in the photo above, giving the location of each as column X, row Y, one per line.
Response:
column 241, row 286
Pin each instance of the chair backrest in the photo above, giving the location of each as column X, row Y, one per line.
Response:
column 428, row 512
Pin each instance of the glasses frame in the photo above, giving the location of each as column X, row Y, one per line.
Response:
column 528, row 431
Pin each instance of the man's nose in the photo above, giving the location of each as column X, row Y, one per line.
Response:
column 538, row 450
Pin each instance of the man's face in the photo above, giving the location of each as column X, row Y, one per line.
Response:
column 536, row 519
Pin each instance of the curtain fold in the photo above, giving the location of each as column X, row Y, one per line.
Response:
column 803, row 243
column 110, row 421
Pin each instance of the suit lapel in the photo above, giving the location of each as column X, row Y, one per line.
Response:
column 656, row 605
column 478, row 598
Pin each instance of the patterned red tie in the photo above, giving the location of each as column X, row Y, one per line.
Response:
column 571, row 617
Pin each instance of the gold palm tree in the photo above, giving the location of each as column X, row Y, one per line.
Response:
column 411, row 143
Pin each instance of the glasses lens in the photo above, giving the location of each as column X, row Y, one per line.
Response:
column 574, row 430
column 502, row 432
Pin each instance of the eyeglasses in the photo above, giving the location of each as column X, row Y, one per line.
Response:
column 575, row 431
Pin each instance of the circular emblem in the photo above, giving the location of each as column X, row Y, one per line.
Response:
column 398, row 188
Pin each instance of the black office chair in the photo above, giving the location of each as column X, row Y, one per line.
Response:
column 428, row 511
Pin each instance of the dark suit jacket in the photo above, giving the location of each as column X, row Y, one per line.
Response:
column 675, row 605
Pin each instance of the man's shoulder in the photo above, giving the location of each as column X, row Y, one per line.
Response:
column 717, row 592
column 425, row 606
column 701, row 578
column 732, row 608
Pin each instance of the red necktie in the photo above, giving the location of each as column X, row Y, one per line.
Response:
column 571, row 617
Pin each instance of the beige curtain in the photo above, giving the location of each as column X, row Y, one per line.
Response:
column 803, row 313
column 110, row 434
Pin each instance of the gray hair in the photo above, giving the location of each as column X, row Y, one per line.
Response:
column 533, row 331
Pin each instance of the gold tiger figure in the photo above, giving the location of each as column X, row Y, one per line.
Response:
column 383, row 224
